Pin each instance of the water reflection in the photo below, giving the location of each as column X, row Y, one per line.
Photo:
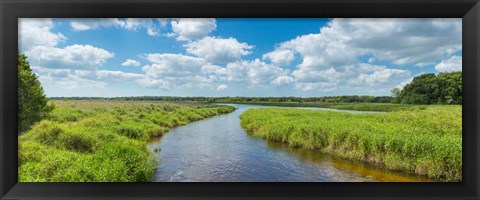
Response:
column 217, row 149
column 359, row 168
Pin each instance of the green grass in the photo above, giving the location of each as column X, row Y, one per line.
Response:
column 101, row 141
column 383, row 107
column 425, row 141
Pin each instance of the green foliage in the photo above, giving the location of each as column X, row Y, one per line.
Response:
column 32, row 102
column 101, row 141
column 424, row 141
column 444, row 88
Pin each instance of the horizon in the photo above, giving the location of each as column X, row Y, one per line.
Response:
column 236, row 57
column 214, row 97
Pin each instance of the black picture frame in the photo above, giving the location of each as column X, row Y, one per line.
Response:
column 11, row 10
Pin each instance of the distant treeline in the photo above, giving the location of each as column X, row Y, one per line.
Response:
column 444, row 88
column 329, row 99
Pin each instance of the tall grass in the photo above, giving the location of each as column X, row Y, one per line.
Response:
column 101, row 141
column 425, row 141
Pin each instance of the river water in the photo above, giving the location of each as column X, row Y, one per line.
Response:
column 217, row 149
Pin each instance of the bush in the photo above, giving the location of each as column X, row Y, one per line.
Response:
column 32, row 102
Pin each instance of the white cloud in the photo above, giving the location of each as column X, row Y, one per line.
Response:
column 162, row 21
column 282, row 80
column 107, row 75
column 128, row 24
column 380, row 76
column 280, row 57
column 55, row 73
column 424, row 64
column 72, row 82
column 330, row 58
column 134, row 23
column 371, row 59
column 165, row 65
column 69, row 81
column 130, row 62
column 454, row 63
column 216, row 49
column 401, row 41
column 192, row 28
column 253, row 72
column 169, row 71
column 73, row 57
column 37, row 32
column 155, row 83
column 152, row 32
column 319, row 86
column 222, row 87
column 309, row 75
column 90, row 24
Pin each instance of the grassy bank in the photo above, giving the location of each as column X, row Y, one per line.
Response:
column 383, row 107
column 101, row 141
column 424, row 141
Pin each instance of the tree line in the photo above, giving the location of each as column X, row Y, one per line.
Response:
column 239, row 99
column 444, row 88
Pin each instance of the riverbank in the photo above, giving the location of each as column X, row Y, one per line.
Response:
column 425, row 141
column 101, row 140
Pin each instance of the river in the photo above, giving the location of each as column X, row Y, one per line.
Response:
column 217, row 149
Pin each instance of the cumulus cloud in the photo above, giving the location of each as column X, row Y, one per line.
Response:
column 37, row 32
column 402, row 41
column 56, row 73
column 90, row 24
column 130, row 62
column 253, row 72
column 333, row 55
column 218, row 50
column 74, row 56
column 107, row 75
column 173, row 65
column 192, row 28
column 128, row 24
column 176, row 70
column 73, row 82
column 280, row 57
column 222, row 87
column 282, row 80
column 380, row 76
column 454, row 63
column 152, row 32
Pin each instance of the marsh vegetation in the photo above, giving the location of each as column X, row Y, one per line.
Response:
column 421, row 140
column 101, row 141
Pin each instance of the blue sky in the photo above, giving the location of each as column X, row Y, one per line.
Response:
column 236, row 57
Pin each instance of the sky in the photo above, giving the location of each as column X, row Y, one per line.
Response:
column 236, row 57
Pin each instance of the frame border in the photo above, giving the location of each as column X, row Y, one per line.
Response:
column 11, row 10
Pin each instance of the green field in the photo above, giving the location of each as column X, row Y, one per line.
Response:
column 382, row 107
column 423, row 140
column 101, row 141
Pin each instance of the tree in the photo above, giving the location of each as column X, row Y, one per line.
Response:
column 396, row 92
column 444, row 88
column 451, row 84
column 32, row 102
